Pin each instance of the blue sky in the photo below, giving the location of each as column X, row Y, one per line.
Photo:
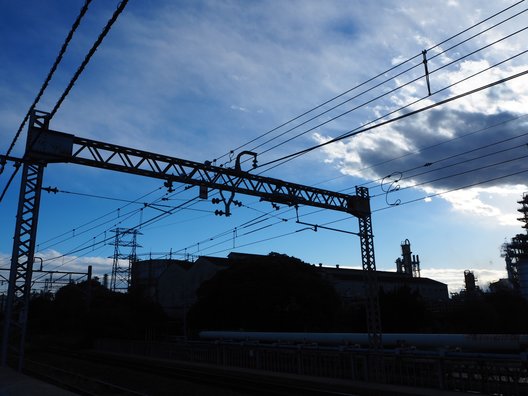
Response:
column 197, row 79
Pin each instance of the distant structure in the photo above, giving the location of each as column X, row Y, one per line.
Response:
column 408, row 265
column 511, row 265
column 124, row 237
column 515, row 253
column 174, row 283
column 350, row 284
column 470, row 281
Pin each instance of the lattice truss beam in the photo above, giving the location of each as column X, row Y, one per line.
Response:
column 53, row 146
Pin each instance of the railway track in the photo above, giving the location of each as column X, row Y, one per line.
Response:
column 70, row 379
column 91, row 373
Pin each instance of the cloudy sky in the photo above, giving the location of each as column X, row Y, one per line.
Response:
column 204, row 80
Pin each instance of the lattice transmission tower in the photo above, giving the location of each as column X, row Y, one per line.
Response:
column 122, row 263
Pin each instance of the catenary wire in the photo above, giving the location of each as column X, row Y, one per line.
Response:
column 399, row 87
column 118, row 210
column 398, row 118
column 377, row 210
column 80, row 248
column 395, row 67
column 365, row 128
column 122, row 217
column 431, row 163
column 79, row 71
column 469, row 28
column 265, row 217
column 88, row 56
column 460, row 173
column 437, row 161
column 291, row 233
column 58, row 59
column 211, row 238
column 421, row 150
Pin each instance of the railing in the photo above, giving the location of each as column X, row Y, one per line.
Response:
column 486, row 373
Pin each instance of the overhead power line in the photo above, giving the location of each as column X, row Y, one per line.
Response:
column 421, row 150
column 338, row 96
column 452, row 190
column 383, row 74
column 88, row 56
column 203, row 248
column 371, row 124
column 79, row 71
column 398, row 118
column 267, row 226
column 272, row 214
column 116, row 221
column 266, row 217
column 83, row 225
column 384, row 94
column 69, row 37
column 91, row 244
column 421, row 199
column 465, row 172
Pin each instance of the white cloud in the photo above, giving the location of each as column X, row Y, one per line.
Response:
column 55, row 261
column 454, row 278
column 511, row 96
column 76, row 265
column 497, row 203
column 196, row 79
column 239, row 108
column 350, row 155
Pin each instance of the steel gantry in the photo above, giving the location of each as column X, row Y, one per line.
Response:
column 47, row 146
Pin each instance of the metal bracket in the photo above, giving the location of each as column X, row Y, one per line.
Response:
column 392, row 187
column 251, row 153
column 424, row 53
column 227, row 204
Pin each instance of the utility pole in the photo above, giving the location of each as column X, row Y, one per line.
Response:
column 45, row 146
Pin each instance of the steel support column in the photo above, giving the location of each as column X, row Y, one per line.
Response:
column 14, row 332
column 372, row 290
column 24, row 240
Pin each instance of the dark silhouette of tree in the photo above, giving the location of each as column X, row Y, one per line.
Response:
column 502, row 312
column 42, row 318
column 273, row 293
column 85, row 311
column 403, row 311
column 351, row 318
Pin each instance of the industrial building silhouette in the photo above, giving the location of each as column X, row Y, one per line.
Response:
column 174, row 283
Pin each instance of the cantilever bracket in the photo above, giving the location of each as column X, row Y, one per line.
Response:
column 315, row 227
column 253, row 154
